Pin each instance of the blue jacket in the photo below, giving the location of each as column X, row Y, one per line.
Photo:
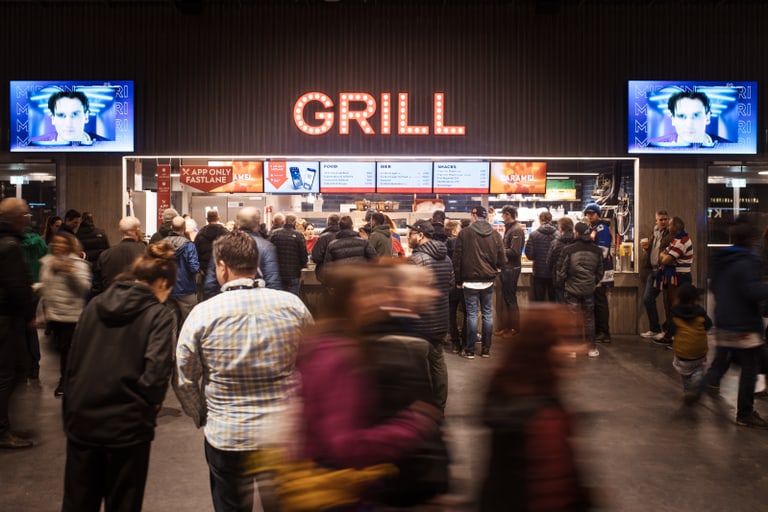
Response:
column 738, row 288
column 268, row 268
column 187, row 265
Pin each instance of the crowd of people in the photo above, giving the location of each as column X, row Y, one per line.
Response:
column 219, row 317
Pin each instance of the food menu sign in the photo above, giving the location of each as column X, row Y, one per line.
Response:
column 404, row 177
column 461, row 177
column 347, row 177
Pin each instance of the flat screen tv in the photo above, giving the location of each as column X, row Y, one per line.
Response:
column 66, row 116
column 404, row 177
column 347, row 177
column 692, row 117
column 518, row 177
column 291, row 177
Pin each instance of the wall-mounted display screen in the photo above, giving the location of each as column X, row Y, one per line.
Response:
column 692, row 117
column 404, row 177
column 347, row 177
column 561, row 190
column 461, row 177
column 247, row 176
column 518, row 178
column 291, row 177
column 82, row 116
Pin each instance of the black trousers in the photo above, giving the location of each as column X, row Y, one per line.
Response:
column 115, row 475
column 602, row 314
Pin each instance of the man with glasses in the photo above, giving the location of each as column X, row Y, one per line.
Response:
column 652, row 246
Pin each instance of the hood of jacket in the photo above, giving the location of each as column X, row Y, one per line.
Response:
column 433, row 248
column 481, row 227
column 565, row 237
column 547, row 229
column 688, row 311
column 347, row 233
column 123, row 302
column 383, row 229
column 176, row 240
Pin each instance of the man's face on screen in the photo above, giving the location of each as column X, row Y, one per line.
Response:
column 690, row 121
column 69, row 119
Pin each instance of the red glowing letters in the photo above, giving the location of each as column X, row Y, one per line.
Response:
column 359, row 107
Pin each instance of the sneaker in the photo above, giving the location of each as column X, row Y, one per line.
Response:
column 650, row 334
column 662, row 341
column 660, row 336
column 753, row 420
column 593, row 352
column 11, row 441
column 467, row 355
column 485, row 353
column 58, row 392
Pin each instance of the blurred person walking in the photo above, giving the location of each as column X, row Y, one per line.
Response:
column 34, row 248
column 119, row 369
column 532, row 464
column 66, row 279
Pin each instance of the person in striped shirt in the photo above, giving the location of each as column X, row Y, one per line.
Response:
column 675, row 264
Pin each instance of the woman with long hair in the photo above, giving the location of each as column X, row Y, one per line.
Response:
column 52, row 225
column 118, row 373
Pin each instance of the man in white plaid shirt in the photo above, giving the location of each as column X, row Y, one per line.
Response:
column 236, row 362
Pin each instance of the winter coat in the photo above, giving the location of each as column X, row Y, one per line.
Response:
column 93, row 240
column 580, row 268
column 514, row 238
column 291, row 251
column 204, row 242
column 64, row 291
column 114, row 261
column 16, row 300
column 556, row 249
column 349, row 247
column 479, row 253
column 381, row 240
column 34, row 248
column 320, row 248
column 537, row 249
column 187, row 265
column 434, row 317
column 119, row 367
column 738, row 288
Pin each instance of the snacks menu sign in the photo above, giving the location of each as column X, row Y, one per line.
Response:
column 461, row 177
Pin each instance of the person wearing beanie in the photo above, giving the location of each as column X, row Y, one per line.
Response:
column 579, row 270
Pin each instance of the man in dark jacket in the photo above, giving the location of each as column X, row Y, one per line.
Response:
column 477, row 260
column 579, row 270
column 120, row 257
column 536, row 250
column 318, row 251
column 93, row 240
column 71, row 222
column 349, row 246
column 433, row 324
column 184, row 294
column 249, row 220
column 564, row 237
column 739, row 289
column 16, row 310
column 206, row 236
column 291, row 254
column 514, row 238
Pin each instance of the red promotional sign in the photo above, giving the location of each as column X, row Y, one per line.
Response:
column 205, row 177
column 276, row 174
column 163, row 191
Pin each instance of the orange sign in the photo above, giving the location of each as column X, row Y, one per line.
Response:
column 246, row 177
column 360, row 107
column 518, row 177
column 205, row 178
column 276, row 174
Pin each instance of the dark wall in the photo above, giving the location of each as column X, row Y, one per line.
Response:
column 521, row 81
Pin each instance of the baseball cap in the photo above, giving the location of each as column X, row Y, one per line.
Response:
column 423, row 226
column 592, row 207
column 480, row 211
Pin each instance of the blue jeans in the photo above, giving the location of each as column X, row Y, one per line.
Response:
column 586, row 307
column 485, row 299
column 650, row 295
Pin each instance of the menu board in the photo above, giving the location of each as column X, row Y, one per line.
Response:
column 291, row 177
column 347, row 177
column 404, row 177
column 461, row 177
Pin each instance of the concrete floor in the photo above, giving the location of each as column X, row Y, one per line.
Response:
column 638, row 445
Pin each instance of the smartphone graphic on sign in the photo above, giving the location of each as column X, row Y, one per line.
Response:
column 309, row 178
column 296, row 177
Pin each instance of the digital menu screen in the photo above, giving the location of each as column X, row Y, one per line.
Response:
column 247, row 176
column 347, row 177
column 518, row 178
column 404, row 177
column 291, row 177
column 461, row 177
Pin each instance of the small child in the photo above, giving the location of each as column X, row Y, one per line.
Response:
column 690, row 324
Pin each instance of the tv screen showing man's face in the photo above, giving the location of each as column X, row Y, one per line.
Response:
column 69, row 118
